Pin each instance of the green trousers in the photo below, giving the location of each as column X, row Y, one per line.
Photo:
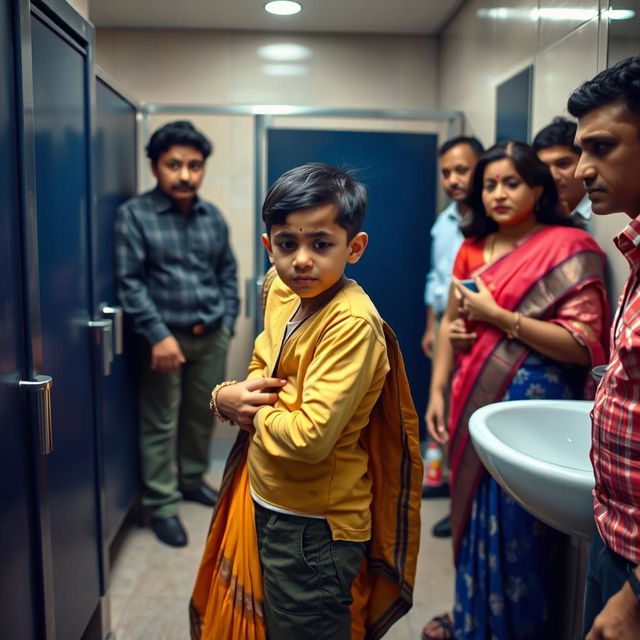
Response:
column 307, row 577
column 174, row 410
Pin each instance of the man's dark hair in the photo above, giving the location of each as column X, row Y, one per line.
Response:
column 620, row 83
column 180, row 132
column 532, row 170
column 560, row 133
column 312, row 185
column 474, row 143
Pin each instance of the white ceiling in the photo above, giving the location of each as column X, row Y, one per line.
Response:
column 425, row 17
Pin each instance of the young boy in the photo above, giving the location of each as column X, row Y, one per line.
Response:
column 316, row 373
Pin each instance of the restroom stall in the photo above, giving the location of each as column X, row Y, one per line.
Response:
column 67, row 415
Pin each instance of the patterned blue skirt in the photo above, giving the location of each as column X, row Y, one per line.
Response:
column 510, row 567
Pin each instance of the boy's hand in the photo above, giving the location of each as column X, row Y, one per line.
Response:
column 240, row 402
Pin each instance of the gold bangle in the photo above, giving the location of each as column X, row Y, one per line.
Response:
column 213, row 405
column 516, row 327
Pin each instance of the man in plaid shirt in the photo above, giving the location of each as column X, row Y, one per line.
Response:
column 608, row 112
column 176, row 278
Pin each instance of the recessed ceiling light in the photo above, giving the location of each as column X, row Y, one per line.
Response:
column 283, row 7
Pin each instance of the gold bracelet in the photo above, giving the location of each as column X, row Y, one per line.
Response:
column 213, row 405
column 516, row 327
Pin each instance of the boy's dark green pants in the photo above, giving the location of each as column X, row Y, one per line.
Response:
column 307, row 577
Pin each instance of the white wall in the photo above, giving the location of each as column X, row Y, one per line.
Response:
column 478, row 52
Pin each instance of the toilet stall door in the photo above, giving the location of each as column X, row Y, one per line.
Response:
column 18, row 557
column 62, row 198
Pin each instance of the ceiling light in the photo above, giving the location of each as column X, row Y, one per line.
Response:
column 284, row 52
column 619, row 14
column 283, row 7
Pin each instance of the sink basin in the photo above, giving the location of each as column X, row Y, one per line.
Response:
column 538, row 451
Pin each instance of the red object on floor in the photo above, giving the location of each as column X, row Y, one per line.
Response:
column 433, row 466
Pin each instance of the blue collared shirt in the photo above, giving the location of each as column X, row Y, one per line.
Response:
column 582, row 214
column 446, row 239
column 174, row 269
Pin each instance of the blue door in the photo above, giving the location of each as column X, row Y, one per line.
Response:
column 399, row 171
column 115, row 181
column 62, row 199
column 18, row 618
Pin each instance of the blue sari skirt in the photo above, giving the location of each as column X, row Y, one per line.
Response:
column 510, row 566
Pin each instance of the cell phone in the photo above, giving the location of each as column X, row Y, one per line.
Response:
column 470, row 284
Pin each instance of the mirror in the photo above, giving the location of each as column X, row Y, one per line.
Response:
column 624, row 30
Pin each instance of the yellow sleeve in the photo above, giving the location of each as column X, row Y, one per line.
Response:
column 258, row 365
column 347, row 360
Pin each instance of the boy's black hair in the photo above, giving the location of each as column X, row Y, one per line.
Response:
column 532, row 170
column 474, row 143
column 180, row 132
column 312, row 185
column 560, row 133
column 620, row 83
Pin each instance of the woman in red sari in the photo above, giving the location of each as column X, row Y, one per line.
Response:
column 534, row 328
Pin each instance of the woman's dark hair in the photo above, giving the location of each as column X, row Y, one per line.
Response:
column 620, row 83
column 180, row 132
column 312, row 185
column 533, row 171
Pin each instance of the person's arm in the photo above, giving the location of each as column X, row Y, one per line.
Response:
column 130, row 256
column 226, row 272
column 345, row 368
column 548, row 338
column 620, row 617
column 429, row 335
column 440, row 375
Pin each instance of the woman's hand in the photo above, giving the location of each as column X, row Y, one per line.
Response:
column 460, row 338
column 240, row 402
column 477, row 307
column 435, row 418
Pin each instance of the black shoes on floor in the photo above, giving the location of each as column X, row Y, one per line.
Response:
column 442, row 528
column 170, row 531
column 204, row 494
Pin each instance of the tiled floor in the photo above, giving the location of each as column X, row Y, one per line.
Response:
column 151, row 582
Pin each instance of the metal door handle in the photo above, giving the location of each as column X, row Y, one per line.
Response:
column 116, row 314
column 41, row 386
column 104, row 342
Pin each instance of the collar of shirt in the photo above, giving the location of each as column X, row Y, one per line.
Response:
column 452, row 211
column 583, row 209
column 627, row 242
column 164, row 204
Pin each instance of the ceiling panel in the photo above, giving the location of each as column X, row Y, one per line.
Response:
column 426, row 17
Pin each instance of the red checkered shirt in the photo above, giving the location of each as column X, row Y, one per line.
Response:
column 615, row 451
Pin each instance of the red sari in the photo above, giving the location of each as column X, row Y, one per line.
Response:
column 544, row 270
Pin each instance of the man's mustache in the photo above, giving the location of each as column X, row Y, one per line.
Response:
column 179, row 186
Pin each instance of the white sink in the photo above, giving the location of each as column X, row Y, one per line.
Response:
column 538, row 451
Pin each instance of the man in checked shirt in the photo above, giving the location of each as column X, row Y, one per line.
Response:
column 608, row 112
column 176, row 278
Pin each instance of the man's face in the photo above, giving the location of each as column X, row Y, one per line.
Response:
column 562, row 162
column 456, row 168
column 610, row 162
column 310, row 250
column 179, row 172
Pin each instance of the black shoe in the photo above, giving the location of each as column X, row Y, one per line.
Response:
column 170, row 531
column 204, row 494
column 442, row 528
column 441, row 491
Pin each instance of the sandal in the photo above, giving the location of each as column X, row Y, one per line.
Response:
column 441, row 625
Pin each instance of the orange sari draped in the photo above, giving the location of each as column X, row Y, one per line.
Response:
column 227, row 598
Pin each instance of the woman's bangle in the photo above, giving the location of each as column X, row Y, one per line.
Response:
column 515, row 331
column 214, row 400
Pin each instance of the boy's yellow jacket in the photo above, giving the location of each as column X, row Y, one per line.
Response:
column 227, row 597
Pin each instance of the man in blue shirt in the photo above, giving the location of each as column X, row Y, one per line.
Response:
column 176, row 278
column 458, row 158
column 555, row 146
